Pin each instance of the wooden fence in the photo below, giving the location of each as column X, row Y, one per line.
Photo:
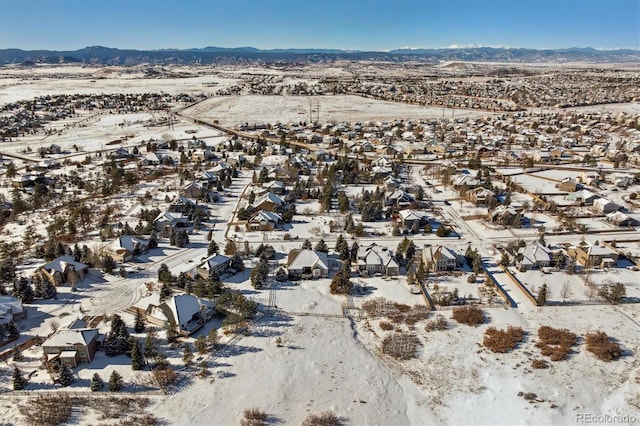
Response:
column 520, row 286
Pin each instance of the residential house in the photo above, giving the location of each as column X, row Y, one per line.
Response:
column 28, row 180
column 382, row 162
column 441, row 258
column 481, row 196
column 533, row 256
column 602, row 205
column 264, row 220
column 506, row 216
column 374, row 259
column 409, row 217
column 165, row 221
column 621, row 180
column 126, row 247
column 269, row 201
column 193, row 189
column 71, row 347
column 63, row 269
column 568, row 184
column 120, row 152
column 307, row 264
column 621, row 219
column 583, row 196
column 275, row 186
column 217, row 263
column 379, row 171
column 11, row 309
column 590, row 178
column 152, row 159
column 398, row 197
column 186, row 311
column 181, row 205
column 464, row 180
column 592, row 255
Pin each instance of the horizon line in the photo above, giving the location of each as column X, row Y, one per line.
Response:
column 346, row 50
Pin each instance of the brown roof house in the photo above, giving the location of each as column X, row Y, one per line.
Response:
column 442, row 258
column 269, row 202
column 63, row 269
column 592, row 255
column 481, row 196
column 127, row 247
column 71, row 347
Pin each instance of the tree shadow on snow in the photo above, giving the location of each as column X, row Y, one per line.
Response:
column 235, row 350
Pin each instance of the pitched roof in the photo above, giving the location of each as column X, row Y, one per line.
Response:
column 59, row 264
column 69, row 337
column 299, row 259
column 269, row 197
column 215, row 260
column 266, row 216
column 535, row 252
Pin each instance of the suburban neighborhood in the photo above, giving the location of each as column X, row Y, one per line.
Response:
column 168, row 244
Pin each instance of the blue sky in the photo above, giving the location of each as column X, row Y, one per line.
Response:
column 344, row 24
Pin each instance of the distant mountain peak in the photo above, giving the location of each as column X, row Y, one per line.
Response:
column 248, row 54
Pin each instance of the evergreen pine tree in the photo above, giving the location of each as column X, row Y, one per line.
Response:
column 96, row 384
column 213, row 248
column 165, row 291
column 212, row 338
column 139, row 324
column 150, row 344
column 543, row 293
column 137, row 362
column 115, row 382
column 12, row 329
column 17, row 355
column 164, row 275
column 19, row 382
column 117, row 340
column 354, row 251
column 22, row 290
column 187, row 355
column 306, row 245
column 322, row 246
column 66, row 376
column 171, row 332
column 201, row 345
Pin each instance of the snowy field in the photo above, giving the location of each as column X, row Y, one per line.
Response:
column 326, row 361
column 233, row 110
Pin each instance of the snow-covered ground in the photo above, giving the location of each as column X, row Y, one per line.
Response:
column 328, row 361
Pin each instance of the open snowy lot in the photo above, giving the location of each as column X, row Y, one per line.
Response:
column 233, row 110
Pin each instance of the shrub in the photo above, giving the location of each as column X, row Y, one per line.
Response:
column 253, row 417
column 469, row 315
column 539, row 363
column 471, row 278
column 323, row 419
column 438, row 323
column 400, row 345
column 165, row 377
column 556, row 343
column 378, row 307
column 417, row 313
column 386, row 325
column 48, row 410
column 602, row 346
column 502, row 341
